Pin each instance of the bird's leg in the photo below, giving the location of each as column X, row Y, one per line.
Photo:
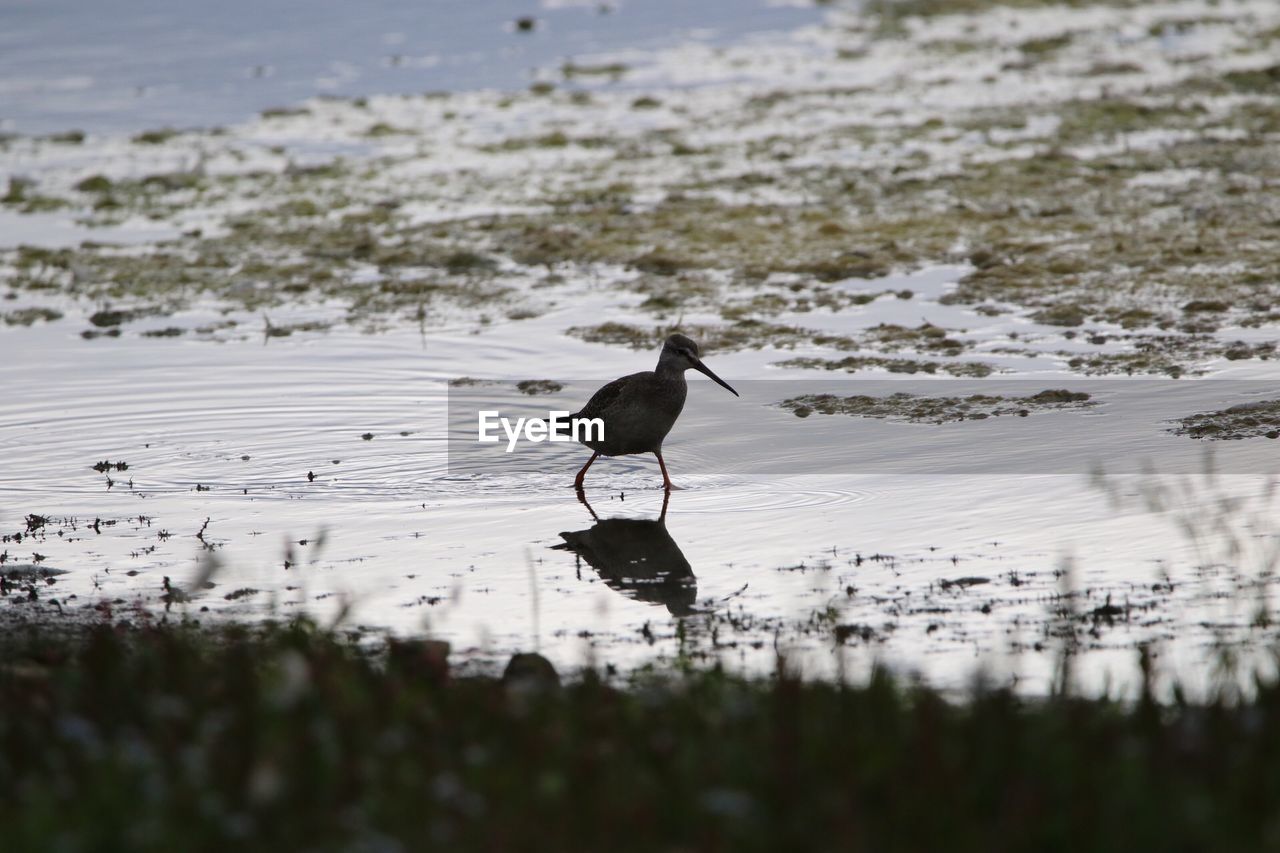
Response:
column 666, row 480
column 666, row 499
column 577, row 482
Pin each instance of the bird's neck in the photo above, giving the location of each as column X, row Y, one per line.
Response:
column 669, row 370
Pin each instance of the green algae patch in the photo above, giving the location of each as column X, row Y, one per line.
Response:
column 381, row 129
column 925, row 337
column 757, row 334
column 1248, row 420
column 284, row 330
column 21, row 196
column 913, row 408
column 747, row 334
column 1060, row 315
column 471, row 382
column 285, row 112
column 1256, row 81
column 1050, row 44
column 95, row 184
column 274, row 257
column 746, row 307
column 861, row 363
column 684, row 233
column 27, row 316
column 554, row 139
column 1166, row 354
column 109, row 317
column 1087, row 120
column 1135, row 212
column 16, row 193
column 931, row 8
column 155, row 137
column 533, row 387
column 610, row 70
column 67, row 137
column 1038, row 225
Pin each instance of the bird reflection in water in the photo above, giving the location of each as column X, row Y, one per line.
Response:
column 636, row 557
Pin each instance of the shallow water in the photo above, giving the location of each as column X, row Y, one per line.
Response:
column 231, row 431
column 124, row 66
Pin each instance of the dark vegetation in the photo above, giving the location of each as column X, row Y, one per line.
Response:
column 1247, row 420
column 935, row 410
column 173, row 736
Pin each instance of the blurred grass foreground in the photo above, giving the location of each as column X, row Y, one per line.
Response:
column 285, row 736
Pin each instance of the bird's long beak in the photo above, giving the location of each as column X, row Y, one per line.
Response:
column 702, row 368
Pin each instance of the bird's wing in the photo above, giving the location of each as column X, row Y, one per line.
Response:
column 607, row 398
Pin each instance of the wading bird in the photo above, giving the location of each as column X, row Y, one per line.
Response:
column 639, row 410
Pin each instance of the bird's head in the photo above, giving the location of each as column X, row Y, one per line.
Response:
column 681, row 352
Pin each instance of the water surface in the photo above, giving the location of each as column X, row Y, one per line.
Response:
column 317, row 469
column 121, row 66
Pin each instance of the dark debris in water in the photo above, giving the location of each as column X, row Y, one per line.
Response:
column 963, row 583
column 865, row 633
